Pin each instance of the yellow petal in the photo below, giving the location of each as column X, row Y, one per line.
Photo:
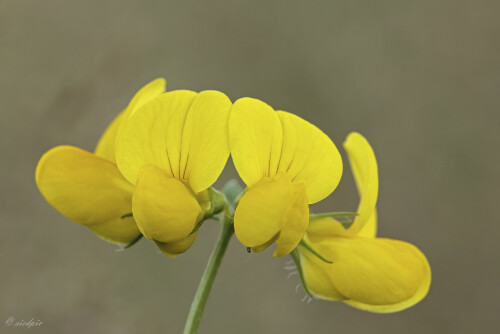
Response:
column 309, row 155
column 370, row 228
column 147, row 93
column 264, row 143
column 164, row 208
column 106, row 145
column 295, row 221
column 175, row 248
column 384, row 275
column 328, row 227
column 273, row 209
column 205, row 146
column 365, row 171
column 181, row 132
column 255, row 139
column 153, row 135
column 317, row 277
column 324, row 229
column 263, row 247
column 122, row 231
column 88, row 190
column 260, row 213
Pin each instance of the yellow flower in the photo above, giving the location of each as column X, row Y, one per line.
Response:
column 286, row 164
column 369, row 273
column 88, row 188
column 172, row 150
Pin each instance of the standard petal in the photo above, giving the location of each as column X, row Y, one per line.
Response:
column 255, row 139
column 164, row 208
column 205, row 146
column 175, row 248
column 148, row 92
column 153, row 135
column 88, row 190
column 106, row 145
column 385, row 275
column 365, row 171
column 309, row 155
column 370, row 228
column 261, row 210
column 295, row 221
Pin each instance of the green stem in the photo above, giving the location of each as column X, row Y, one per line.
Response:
column 207, row 280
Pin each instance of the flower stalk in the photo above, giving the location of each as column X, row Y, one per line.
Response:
column 207, row 280
column 231, row 191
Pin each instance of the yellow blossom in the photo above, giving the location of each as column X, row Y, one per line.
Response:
column 286, row 163
column 87, row 187
column 172, row 150
column 369, row 273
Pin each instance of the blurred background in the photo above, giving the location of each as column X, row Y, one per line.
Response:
column 420, row 79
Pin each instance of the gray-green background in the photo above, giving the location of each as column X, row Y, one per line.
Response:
column 420, row 79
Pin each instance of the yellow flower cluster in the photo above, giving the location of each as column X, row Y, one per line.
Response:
column 152, row 171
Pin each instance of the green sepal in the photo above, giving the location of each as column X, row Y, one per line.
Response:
column 198, row 225
column 133, row 242
column 346, row 224
column 215, row 204
column 296, row 258
column 130, row 214
column 314, row 252
column 232, row 190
